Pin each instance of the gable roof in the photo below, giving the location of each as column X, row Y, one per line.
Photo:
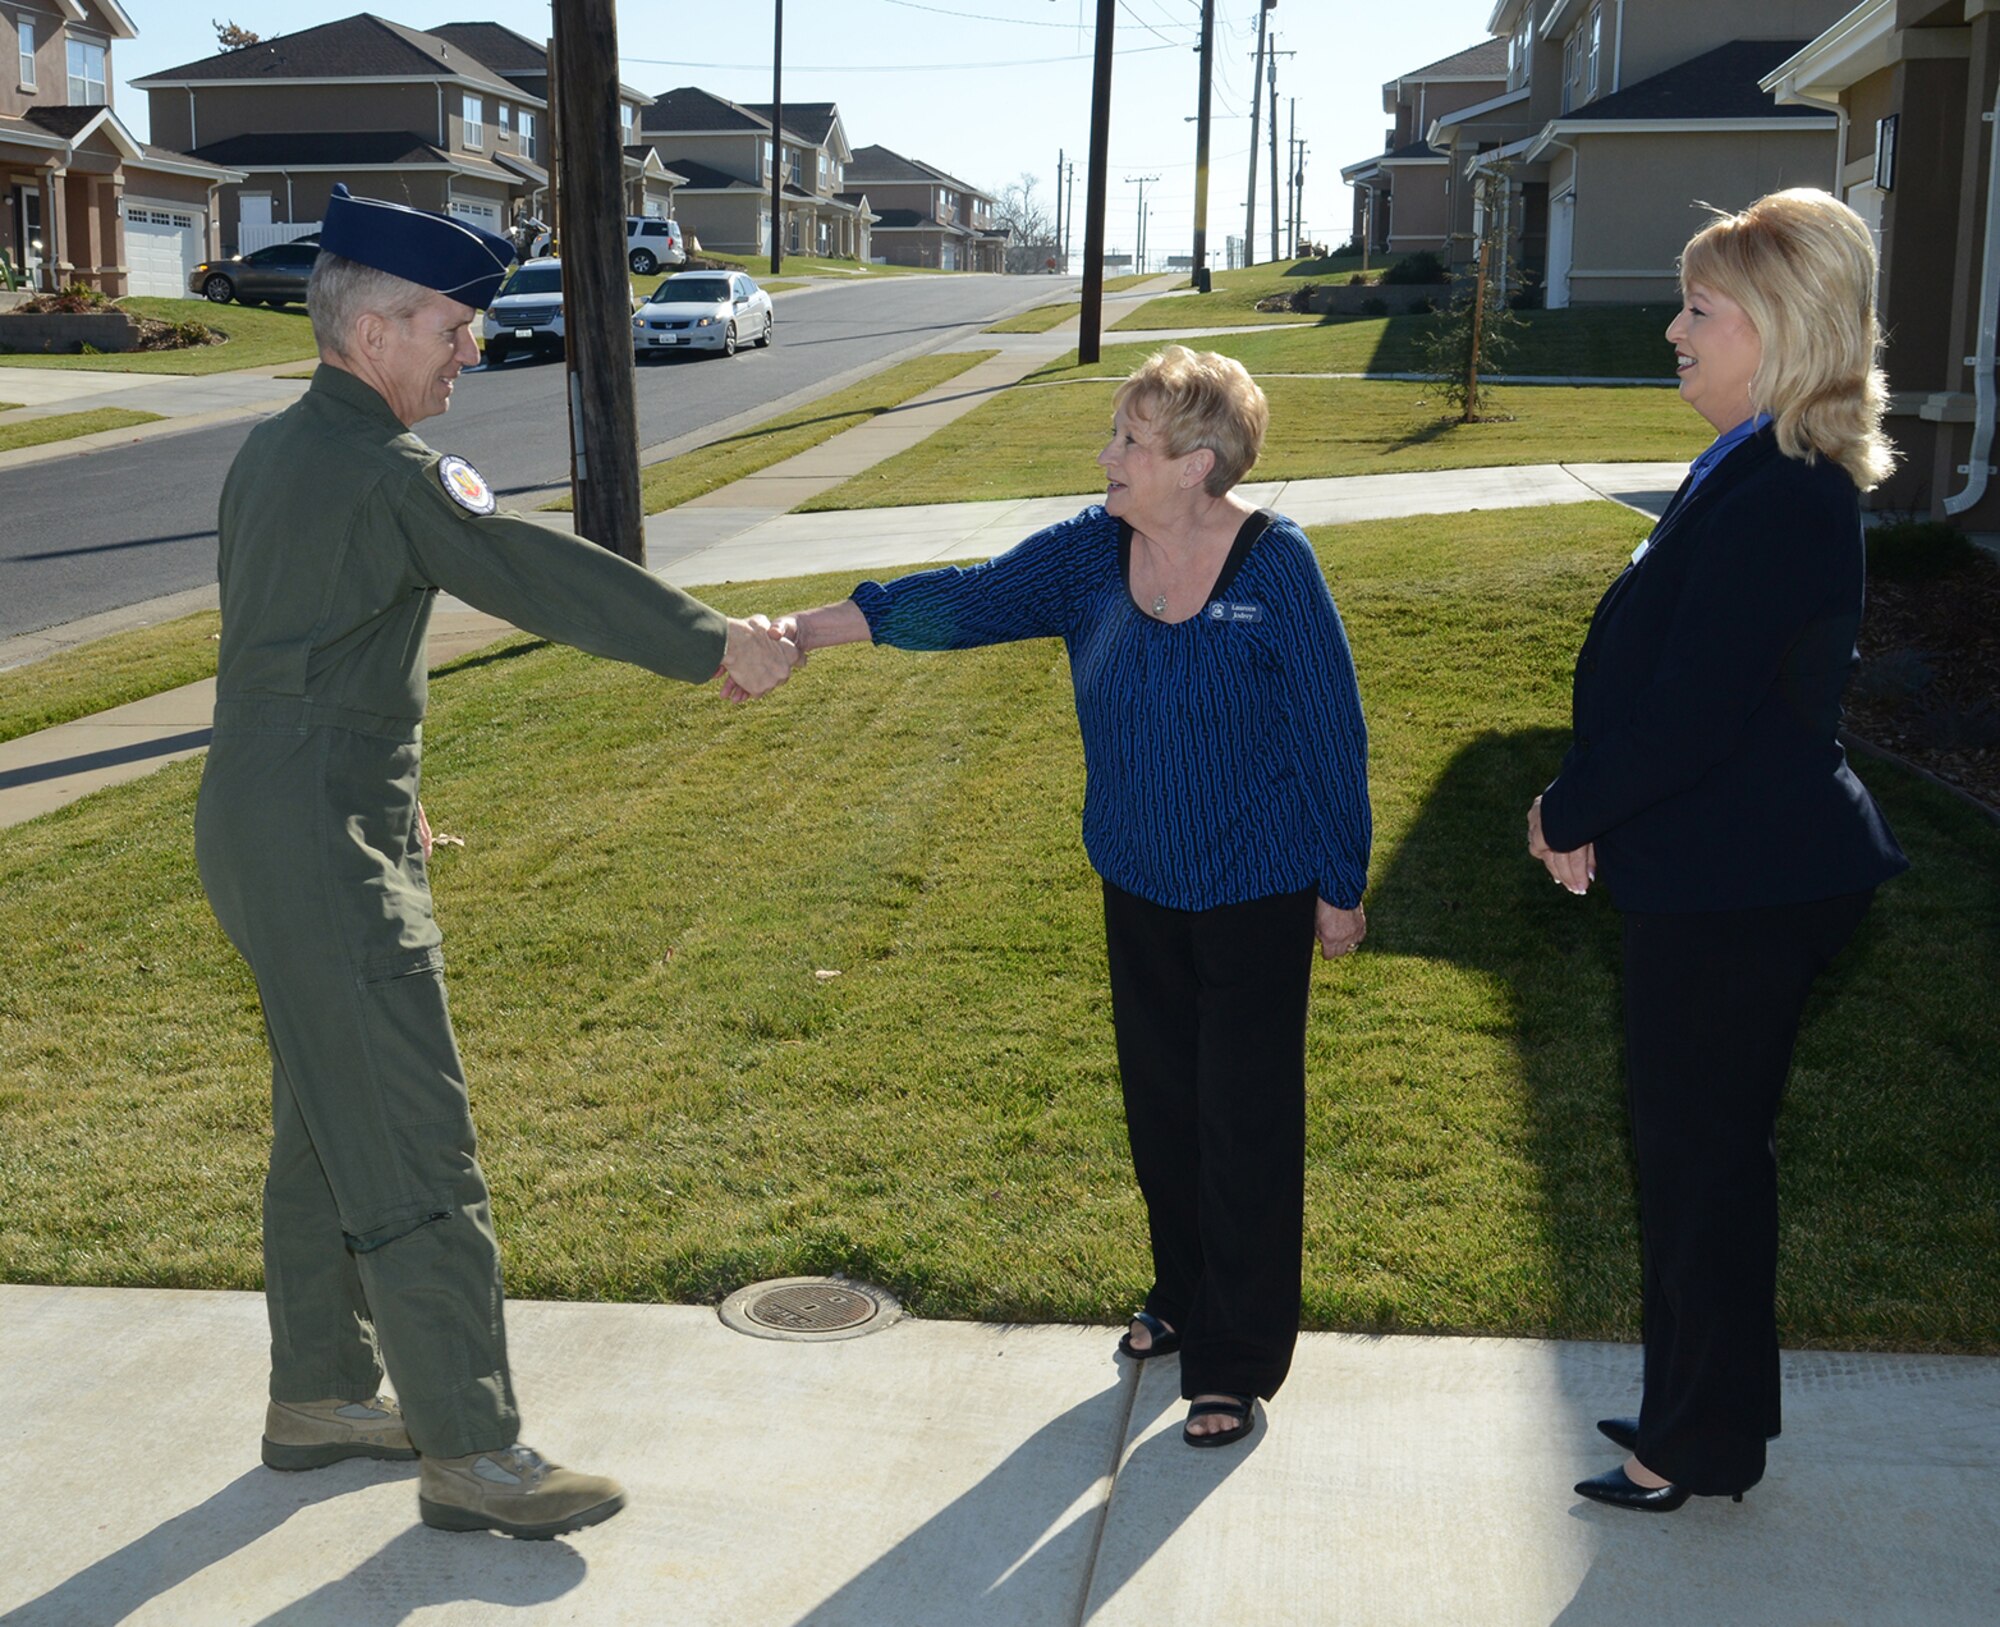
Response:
column 63, row 121
column 811, row 120
column 1486, row 60
column 879, row 163
column 363, row 46
column 1718, row 84
column 500, row 48
column 688, row 109
column 337, row 149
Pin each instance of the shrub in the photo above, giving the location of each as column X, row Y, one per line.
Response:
column 1376, row 305
column 1917, row 550
column 1421, row 267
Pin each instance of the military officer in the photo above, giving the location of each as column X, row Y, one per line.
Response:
column 338, row 527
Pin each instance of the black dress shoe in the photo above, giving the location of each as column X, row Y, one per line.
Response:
column 1620, row 1490
column 1620, row 1432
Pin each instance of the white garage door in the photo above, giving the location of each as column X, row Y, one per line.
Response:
column 162, row 247
column 475, row 213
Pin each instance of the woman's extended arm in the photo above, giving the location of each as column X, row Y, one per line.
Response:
column 830, row 624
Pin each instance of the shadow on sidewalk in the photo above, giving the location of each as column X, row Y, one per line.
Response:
column 138, row 752
column 390, row 1585
column 1022, row 1544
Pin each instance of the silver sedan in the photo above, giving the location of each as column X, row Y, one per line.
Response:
column 702, row 310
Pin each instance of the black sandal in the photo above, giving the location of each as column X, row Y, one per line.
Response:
column 1165, row 1340
column 1239, row 1407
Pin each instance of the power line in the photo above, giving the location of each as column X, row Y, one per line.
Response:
column 895, row 67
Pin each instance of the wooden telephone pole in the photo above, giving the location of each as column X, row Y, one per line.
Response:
column 1090, row 327
column 597, row 297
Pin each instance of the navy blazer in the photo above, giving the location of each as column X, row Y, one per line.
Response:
column 1705, row 763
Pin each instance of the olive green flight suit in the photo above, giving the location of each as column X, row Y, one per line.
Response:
column 336, row 530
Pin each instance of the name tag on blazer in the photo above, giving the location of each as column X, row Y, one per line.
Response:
column 1225, row 610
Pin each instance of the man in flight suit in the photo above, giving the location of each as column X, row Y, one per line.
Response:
column 338, row 526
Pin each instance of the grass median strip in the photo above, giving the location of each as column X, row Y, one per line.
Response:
column 1039, row 440
column 674, row 1099
column 108, row 672
column 67, row 426
column 673, row 481
column 1044, row 317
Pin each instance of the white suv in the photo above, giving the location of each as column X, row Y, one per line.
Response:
column 651, row 243
column 527, row 313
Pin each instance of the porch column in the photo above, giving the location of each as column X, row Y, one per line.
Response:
column 117, row 269
column 56, row 268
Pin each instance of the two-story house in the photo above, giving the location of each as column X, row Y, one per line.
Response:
column 1917, row 87
column 1409, row 197
column 1621, row 120
column 926, row 217
column 81, row 200
column 390, row 111
column 649, row 184
column 726, row 150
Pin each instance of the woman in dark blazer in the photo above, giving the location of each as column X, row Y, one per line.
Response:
column 1706, row 787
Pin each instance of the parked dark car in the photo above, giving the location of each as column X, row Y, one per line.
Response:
column 269, row 276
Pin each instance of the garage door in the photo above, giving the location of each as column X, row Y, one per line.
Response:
column 162, row 246
column 476, row 213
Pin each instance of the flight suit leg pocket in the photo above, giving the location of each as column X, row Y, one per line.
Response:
column 423, row 1165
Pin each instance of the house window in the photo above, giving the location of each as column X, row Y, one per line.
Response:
column 504, row 116
column 528, row 135
column 1596, row 47
column 766, row 170
column 1520, row 50
column 1572, row 68
column 474, row 115
column 793, row 169
column 86, row 74
column 27, row 28
column 627, row 114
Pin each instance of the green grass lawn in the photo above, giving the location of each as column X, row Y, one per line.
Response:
column 1039, row 440
column 673, row 1100
column 257, row 337
column 1232, row 297
column 67, row 426
column 107, row 672
column 1044, row 317
column 673, row 481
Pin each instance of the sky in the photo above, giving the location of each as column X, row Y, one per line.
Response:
column 988, row 90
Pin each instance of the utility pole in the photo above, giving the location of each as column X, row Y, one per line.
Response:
column 1201, row 147
column 1139, row 237
column 778, row 137
column 1256, row 90
column 1292, row 181
column 1090, row 326
column 1059, row 205
column 1271, row 66
column 603, row 419
column 1069, row 218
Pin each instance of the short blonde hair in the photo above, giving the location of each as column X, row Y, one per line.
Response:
column 1200, row 401
column 340, row 291
column 1802, row 266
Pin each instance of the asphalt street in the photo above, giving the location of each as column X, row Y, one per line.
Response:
column 124, row 525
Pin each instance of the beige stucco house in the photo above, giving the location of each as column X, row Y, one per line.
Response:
column 1619, row 120
column 927, row 217
column 390, row 111
column 724, row 149
column 82, row 200
column 1915, row 85
column 1408, row 197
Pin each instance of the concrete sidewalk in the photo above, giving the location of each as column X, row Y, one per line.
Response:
column 937, row 1474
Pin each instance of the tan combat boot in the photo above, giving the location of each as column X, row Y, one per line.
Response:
column 514, row 1491
column 312, row 1434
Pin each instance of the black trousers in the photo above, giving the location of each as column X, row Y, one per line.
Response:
column 1210, row 1011
column 1712, row 1009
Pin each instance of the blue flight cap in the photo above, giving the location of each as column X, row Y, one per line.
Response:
column 433, row 251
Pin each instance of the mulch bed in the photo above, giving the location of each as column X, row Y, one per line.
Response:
column 1929, row 685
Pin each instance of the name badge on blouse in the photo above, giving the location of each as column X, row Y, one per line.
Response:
column 1224, row 610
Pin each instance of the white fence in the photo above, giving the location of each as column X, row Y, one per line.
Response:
column 252, row 236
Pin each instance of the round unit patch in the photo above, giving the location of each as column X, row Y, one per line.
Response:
column 465, row 485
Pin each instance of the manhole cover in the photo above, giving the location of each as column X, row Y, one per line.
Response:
column 810, row 1308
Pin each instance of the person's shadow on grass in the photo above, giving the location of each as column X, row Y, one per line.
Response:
column 1029, row 1541
column 384, row 1589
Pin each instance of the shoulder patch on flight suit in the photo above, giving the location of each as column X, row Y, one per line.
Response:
column 465, row 485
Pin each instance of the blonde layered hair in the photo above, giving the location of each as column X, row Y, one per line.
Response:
column 1802, row 266
column 1200, row 402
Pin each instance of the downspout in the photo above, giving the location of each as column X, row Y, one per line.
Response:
column 441, row 132
column 1983, row 361
column 290, row 212
column 1618, row 53
column 1575, row 187
column 194, row 141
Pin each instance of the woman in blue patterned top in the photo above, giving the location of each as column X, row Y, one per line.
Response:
column 1226, row 809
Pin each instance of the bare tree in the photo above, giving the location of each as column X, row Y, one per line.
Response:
column 232, row 37
column 1032, row 239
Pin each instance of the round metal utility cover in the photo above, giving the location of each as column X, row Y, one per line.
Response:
column 810, row 1308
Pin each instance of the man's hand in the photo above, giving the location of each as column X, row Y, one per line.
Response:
column 1339, row 931
column 1575, row 870
column 756, row 658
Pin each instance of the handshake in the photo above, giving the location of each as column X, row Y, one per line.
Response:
column 760, row 655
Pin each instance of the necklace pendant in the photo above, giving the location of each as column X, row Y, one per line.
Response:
column 1160, row 605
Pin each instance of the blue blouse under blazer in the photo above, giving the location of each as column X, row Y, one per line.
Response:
column 1225, row 756
column 1705, row 763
